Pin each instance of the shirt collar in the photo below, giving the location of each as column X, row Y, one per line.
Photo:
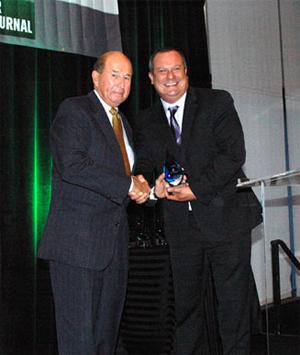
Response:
column 179, row 103
column 106, row 106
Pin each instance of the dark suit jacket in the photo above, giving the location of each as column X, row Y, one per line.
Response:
column 212, row 152
column 89, row 188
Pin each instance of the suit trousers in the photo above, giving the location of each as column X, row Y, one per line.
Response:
column 89, row 305
column 229, row 263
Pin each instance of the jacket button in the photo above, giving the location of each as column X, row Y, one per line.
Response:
column 117, row 224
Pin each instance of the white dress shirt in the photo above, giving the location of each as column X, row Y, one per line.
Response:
column 179, row 113
column 128, row 147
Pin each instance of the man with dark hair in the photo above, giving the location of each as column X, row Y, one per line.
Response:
column 86, row 235
column 207, row 220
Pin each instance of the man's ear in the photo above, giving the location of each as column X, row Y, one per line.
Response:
column 150, row 77
column 95, row 77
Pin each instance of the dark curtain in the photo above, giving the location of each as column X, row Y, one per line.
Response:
column 147, row 25
column 33, row 83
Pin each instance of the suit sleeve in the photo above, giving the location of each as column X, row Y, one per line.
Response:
column 222, row 171
column 70, row 141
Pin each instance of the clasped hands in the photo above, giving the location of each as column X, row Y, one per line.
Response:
column 140, row 190
column 180, row 192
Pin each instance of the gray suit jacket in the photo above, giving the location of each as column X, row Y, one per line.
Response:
column 89, row 187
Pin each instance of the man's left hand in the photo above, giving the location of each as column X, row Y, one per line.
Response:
column 181, row 192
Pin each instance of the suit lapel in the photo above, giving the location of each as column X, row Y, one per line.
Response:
column 190, row 110
column 165, row 137
column 189, row 115
column 163, row 125
column 128, row 129
column 104, row 124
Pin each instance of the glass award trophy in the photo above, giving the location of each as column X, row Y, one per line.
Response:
column 173, row 171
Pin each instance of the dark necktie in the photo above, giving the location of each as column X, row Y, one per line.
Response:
column 174, row 124
column 117, row 127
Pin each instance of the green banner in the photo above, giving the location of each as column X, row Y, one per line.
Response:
column 17, row 18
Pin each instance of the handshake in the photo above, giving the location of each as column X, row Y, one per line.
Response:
column 140, row 189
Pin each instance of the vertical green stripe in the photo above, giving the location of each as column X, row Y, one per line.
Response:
column 41, row 160
column 35, row 183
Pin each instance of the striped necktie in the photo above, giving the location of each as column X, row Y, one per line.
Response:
column 174, row 124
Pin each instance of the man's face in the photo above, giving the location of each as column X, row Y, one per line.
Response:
column 113, row 84
column 169, row 76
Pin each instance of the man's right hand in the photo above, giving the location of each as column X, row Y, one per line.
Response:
column 160, row 189
column 140, row 190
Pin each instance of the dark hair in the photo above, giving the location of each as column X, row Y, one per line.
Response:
column 100, row 63
column 165, row 50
